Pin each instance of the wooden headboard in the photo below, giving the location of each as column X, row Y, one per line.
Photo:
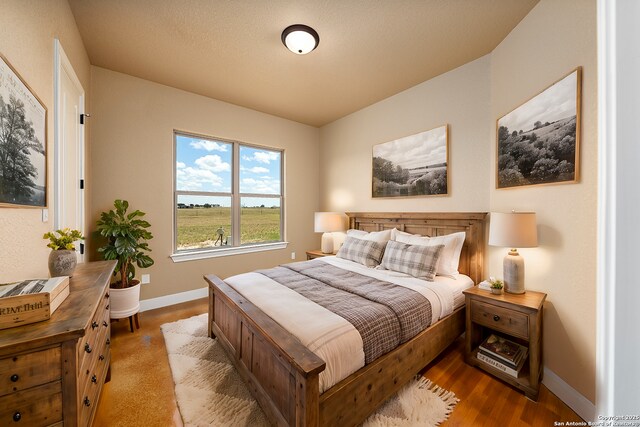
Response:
column 434, row 224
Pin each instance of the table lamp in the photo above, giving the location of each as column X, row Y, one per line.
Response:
column 327, row 223
column 513, row 230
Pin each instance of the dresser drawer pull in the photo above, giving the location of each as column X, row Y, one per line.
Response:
column 101, row 357
column 86, row 401
column 15, row 378
column 88, row 348
column 104, row 323
column 106, row 295
column 17, row 416
column 496, row 317
column 94, row 379
column 108, row 341
column 107, row 307
column 94, row 325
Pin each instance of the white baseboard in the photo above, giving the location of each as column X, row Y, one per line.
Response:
column 167, row 300
column 574, row 400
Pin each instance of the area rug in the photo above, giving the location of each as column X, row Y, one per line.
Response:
column 210, row 392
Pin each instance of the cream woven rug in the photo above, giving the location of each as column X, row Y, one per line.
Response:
column 210, row 392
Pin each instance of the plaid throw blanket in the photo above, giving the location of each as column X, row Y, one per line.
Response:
column 386, row 315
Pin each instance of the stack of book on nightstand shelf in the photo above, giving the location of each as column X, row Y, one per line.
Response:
column 502, row 354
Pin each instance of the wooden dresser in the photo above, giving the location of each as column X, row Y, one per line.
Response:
column 52, row 372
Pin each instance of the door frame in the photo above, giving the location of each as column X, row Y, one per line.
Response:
column 63, row 65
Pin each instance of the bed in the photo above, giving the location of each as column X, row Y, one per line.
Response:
column 284, row 375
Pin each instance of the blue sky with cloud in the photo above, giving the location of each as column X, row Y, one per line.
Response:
column 205, row 165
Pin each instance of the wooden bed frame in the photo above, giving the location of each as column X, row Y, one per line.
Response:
column 282, row 374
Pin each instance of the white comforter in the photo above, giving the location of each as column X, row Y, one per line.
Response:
column 328, row 335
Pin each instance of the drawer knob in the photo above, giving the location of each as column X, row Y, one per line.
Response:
column 104, row 323
column 88, row 348
column 496, row 317
column 94, row 379
column 108, row 341
column 15, row 378
column 94, row 325
column 86, row 401
column 101, row 357
column 17, row 416
column 106, row 295
column 107, row 307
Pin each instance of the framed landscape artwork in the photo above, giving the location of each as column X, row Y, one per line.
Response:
column 23, row 142
column 415, row 165
column 539, row 142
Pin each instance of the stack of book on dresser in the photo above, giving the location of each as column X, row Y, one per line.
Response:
column 502, row 354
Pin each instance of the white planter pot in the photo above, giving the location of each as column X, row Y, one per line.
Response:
column 124, row 302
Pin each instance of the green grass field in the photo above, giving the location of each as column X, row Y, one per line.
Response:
column 197, row 227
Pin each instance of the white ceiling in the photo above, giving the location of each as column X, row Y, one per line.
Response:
column 231, row 50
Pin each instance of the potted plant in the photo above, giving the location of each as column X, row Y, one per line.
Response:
column 496, row 285
column 127, row 236
column 63, row 258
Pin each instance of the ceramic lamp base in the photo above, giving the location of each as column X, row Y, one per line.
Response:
column 513, row 272
column 327, row 243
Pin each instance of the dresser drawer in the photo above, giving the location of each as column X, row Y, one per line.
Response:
column 39, row 406
column 501, row 319
column 95, row 332
column 88, row 398
column 28, row 370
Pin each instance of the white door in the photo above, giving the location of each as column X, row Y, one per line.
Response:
column 69, row 148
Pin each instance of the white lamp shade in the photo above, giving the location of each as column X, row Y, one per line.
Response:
column 513, row 230
column 328, row 222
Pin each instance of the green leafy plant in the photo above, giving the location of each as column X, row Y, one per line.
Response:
column 63, row 240
column 496, row 283
column 126, row 235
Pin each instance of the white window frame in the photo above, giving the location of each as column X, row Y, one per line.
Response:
column 236, row 208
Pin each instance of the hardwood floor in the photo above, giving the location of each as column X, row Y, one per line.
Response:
column 140, row 392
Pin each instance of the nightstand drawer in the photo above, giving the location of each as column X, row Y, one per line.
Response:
column 500, row 319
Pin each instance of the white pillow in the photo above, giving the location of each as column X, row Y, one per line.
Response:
column 395, row 232
column 377, row 236
column 450, row 258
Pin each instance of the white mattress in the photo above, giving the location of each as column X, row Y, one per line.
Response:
column 328, row 335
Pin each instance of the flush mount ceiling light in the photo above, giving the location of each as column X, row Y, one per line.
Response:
column 300, row 39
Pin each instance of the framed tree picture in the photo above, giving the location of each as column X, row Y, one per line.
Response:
column 415, row 165
column 23, row 142
column 539, row 142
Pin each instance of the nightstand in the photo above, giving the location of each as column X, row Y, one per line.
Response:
column 517, row 317
column 316, row 254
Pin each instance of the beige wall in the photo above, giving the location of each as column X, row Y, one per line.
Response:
column 554, row 38
column 459, row 98
column 27, row 32
column 132, row 158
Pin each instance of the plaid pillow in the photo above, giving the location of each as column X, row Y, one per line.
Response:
column 415, row 260
column 366, row 252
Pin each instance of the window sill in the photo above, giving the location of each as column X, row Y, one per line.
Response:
column 216, row 253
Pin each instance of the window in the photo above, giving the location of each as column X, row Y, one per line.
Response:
column 228, row 196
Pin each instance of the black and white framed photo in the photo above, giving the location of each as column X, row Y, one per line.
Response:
column 539, row 142
column 23, row 142
column 415, row 165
